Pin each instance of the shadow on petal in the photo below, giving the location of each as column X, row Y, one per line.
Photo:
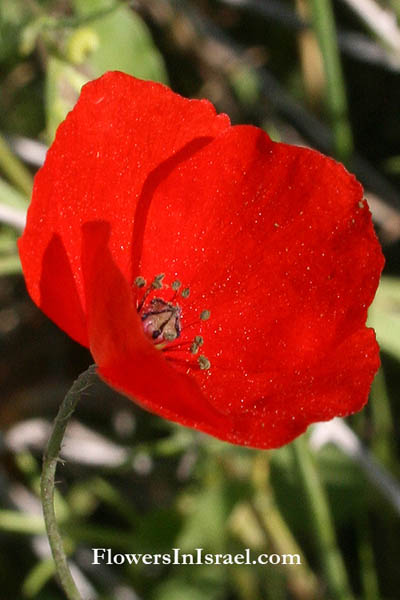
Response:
column 125, row 357
column 59, row 298
column 154, row 179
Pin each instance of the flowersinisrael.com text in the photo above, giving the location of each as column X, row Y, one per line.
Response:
column 197, row 557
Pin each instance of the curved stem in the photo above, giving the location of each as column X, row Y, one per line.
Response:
column 50, row 460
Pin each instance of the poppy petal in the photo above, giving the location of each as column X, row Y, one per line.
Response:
column 58, row 297
column 121, row 129
column 277, row 242
column 273, row 243
column 126, row 359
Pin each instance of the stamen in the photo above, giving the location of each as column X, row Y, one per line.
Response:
column 204, row 363
column 140, row 281
column 161, row 321
column 204, row 315
column 195, row 345
column 179, row 347
column 157, row 283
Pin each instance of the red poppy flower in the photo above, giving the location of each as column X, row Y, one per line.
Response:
column 219, row 279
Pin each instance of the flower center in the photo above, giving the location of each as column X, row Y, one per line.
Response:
column 161, row 320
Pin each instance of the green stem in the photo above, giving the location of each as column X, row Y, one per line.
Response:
column 368, row 573
column 16, row 172
column 301, row 580
column 395, row 4
column 50, row 460
column 324, row 532
column 383, row 440
column 325, row 29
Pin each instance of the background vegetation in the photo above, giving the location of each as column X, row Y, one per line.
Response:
column 323, row 73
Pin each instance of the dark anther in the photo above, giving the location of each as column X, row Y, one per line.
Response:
column 157, row 283
column 204, row 315
column 204, row 363
column 140, row 281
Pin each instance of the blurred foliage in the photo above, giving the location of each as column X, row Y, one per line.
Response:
column 175, row 488
column 385, row 315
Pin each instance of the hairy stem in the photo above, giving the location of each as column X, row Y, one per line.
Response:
column 50, row 460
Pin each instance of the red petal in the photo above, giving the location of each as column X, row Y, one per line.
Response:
column 276, row 241
column 273, row 239
column 124, row 356
column 121, row 129
column 58, row 297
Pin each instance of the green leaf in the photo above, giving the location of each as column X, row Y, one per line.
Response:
column 384, row 315
column 341, row 476
column 14, row 14
column 31, row 32
column 206, row 512
column 246, row 84
column 12, row 197
column 117, row 40
column 9, row 265
column 177, row 588
column 63, row 85
column 37, row 578
column 125, row 43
